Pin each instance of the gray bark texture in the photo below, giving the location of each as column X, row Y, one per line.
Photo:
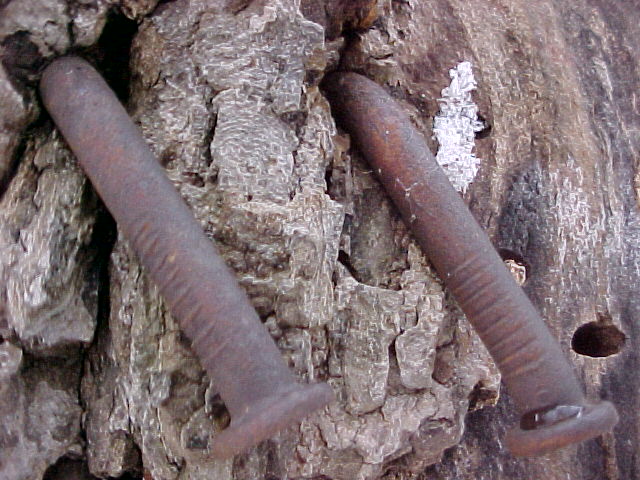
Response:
column 96, row 380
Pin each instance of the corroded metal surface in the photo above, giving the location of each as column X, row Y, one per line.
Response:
column 215, row 313
column 554, row 410
column 556, row 186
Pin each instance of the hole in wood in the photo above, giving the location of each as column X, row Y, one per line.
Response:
column 595, row 339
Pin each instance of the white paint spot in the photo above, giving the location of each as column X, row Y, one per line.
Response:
column 455, row 126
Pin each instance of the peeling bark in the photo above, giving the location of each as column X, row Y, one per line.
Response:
column 96, row 376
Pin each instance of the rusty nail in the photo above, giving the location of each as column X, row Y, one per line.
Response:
column 233, row 346
column 553, row 408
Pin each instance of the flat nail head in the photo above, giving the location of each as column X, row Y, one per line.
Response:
column 269, row 417
column 591, row 422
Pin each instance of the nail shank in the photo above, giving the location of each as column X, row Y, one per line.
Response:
column 537, row 375
column 215, row 313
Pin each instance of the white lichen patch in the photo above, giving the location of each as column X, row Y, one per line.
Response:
column 455, row 127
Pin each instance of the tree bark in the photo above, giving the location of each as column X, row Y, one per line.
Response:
column 96, row 380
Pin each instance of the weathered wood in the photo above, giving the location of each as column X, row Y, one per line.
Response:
column 226, row 94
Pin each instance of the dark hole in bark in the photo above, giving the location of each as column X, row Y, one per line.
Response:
column 167, row 156
column 112, row 52
column 486, row 131
column 516, row 263
column 507, row 254
column 218, row 410
column 328, row 174
column 95, row 293
column 595, row 339
column 345, row 260
column 131, row 476
column 68, row 469
column 21, row 59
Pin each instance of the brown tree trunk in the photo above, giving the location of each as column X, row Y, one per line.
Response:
column 96, row 380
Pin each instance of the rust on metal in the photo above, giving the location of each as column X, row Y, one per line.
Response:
column 233, row 346
column 538, row 377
